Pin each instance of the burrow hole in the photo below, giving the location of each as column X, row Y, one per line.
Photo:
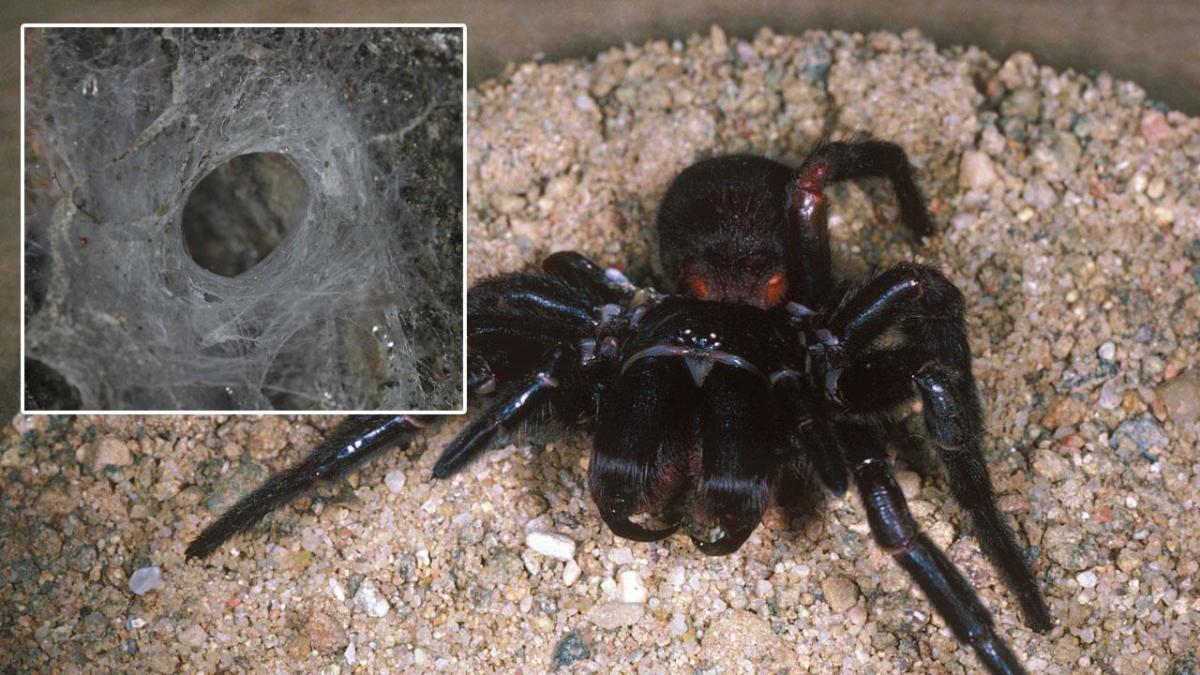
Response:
column 242, row 211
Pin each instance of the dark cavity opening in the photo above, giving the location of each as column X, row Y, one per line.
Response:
column 242, row 211
column 47, row 389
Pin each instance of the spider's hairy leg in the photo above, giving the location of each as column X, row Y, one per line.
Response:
column 515, row 320
column 352, row 443
column 930, row 312
column 880, row 379
column 515, row 402
column 637, row 461
column 839, row 161
column 808, row 232
column 738, row 454
column 897, row 533
column 954, row 418
column 805, row 430
column 892, row 295
column 584, row 275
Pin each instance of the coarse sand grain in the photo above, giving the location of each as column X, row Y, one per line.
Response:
column 1070, row 211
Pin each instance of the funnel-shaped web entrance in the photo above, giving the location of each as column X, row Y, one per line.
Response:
column 229, row 218
column 241, row 212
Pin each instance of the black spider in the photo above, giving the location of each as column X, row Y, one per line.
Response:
column 708, row 405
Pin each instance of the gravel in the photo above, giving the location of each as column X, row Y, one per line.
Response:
column 1087, row 234
column 551, row 544
column 145, row 579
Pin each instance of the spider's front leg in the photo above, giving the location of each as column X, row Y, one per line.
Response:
column 929, row 311
column 353, row 442
column 535, row 334
column 527, row 336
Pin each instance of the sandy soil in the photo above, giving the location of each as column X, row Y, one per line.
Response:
column 1072, row 223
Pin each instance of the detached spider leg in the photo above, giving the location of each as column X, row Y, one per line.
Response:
column 897, row 533
column 930, row 310
column 355, row 441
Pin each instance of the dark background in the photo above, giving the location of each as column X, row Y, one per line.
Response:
column 1156, row 44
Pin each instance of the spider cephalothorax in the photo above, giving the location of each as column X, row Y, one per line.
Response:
column 707, row 403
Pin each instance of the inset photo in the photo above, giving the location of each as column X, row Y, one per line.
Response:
column 243, row 218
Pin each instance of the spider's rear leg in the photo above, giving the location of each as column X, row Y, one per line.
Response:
column 929, row 310
column 955, row 422
column 897, row 533
column 839, row 161
column 808, row 207
column 354, row 441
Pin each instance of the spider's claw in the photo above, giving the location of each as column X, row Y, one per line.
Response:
column 730, row 541
column 623, row 527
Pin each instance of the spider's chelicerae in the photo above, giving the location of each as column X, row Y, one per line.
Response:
column 708, row 404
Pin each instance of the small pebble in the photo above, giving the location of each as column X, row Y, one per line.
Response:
column 325, row 633
column 613, row 615
column 570, row 649
column 910, row 483
column 1154, row 126
column 571, row 572
column 145, row 579
column 1181, row 396
column 1156, row 188
column 631, row 587
column 1110, row 395
column 368, row 598
column 1145, row 432
column 1064, row 412
column 857, row 615
column 1086, row 579
column 337, row 589
column 975, row 170
column 551, row 544
column 621, row 555
column 840, row 592
column 193, row 636
column 1024, row 103
column 394, row 481
column 678, row 626
column 1162, row 215
column 1107, row 351
column 111, row 452
column 1128, row 561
